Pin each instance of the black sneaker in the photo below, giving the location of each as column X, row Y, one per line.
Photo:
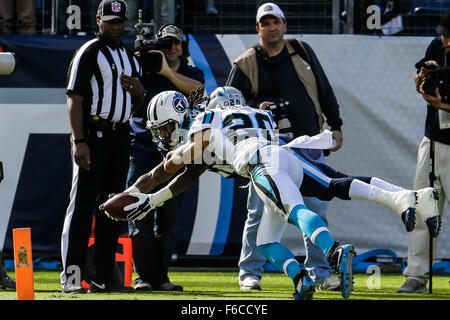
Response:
column 72, row 289
column 143, row 286
column 168, row 286
column 102, row 288
column 412, row 285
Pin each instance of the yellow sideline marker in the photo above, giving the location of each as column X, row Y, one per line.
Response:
column 23, row 263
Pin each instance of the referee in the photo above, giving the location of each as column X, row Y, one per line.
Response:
column 103, row 92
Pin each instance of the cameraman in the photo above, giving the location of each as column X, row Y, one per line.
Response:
column 153, row 237
column 437, row 130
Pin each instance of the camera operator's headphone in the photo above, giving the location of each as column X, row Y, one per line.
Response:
column 184, row 43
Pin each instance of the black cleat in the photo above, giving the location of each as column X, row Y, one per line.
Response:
column 304, row 286
column 102, row 288
column 341, row 258
column 427, row 208
column 434, row 226
column 73, row 289
column 409, row 219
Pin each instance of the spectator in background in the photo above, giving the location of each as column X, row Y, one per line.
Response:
column 154, row 236
column 133, row 10
column 164, row 12
column 288, row 70
column 25, row 13
column 211, row 7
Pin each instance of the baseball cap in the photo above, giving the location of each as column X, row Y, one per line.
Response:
column 269, row 9
column 444, row 26
column 112, row 9
column 171, row 30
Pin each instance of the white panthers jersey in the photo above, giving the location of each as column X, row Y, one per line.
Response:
column 236, row 134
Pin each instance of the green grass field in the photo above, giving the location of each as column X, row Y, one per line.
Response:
column 212, row 285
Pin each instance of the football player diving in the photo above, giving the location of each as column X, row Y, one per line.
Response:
column 244, row 139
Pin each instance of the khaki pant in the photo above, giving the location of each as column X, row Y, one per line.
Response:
column 26, row 16
column 418, row 251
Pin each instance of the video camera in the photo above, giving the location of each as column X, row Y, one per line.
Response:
column 439, row 78
column 146, row 40
column 279, row 111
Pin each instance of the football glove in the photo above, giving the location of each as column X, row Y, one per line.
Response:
column 139, row 209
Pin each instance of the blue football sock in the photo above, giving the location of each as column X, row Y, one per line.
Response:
column 313, row 226
column 281, row 257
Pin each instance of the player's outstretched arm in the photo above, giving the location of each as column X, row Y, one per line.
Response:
column 147, row 202
column 152, row 179
column 190, row 153
column 174, row 161
column 184, row 180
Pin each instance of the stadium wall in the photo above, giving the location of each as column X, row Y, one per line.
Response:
column 383, row 124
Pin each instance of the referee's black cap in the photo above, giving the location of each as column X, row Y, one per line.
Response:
column 444, row 26
column 109, row 10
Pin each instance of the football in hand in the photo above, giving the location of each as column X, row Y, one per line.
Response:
column 114, row 206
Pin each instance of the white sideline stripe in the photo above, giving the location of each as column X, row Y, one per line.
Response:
column 206, row 215
column 286, row 263
column 68, row 220
column 316, row 233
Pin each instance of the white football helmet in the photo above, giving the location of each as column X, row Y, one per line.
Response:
column 224, row 97
column 167, row 107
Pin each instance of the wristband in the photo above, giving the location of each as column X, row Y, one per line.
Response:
column 133, row 189
column 77, row 141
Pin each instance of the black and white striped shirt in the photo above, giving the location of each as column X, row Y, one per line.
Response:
column 94, row 73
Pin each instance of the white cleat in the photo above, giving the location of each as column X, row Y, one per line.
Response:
column 403, row 200
column 404, row 205
column 427, row 208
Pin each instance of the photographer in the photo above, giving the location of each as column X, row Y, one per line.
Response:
column 153, row 237
column 437, row 134
column 435, row 99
